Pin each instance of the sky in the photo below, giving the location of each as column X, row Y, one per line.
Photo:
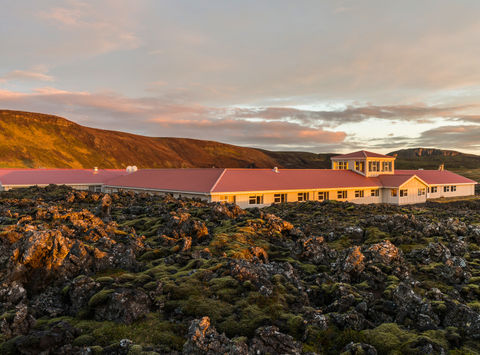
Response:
column 319, row 76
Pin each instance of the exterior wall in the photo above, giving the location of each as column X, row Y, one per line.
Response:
column 412, row 187
column 76, row 187
column 387, row 196
column 351, row 165
column 462, row 190
column 242, row 199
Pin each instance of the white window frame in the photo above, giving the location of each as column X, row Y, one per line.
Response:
column 342, row 194
column 359, row 193
column 280, row 198
column 446, row 188
column 453, row 188
column 375, row 192
column 421, row 191
column 403, row 193
column 323, row 195
column 258, row 199
column 303, row 196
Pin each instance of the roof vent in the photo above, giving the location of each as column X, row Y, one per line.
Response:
column 131, row 169
column 275, row 170
column 95, row 170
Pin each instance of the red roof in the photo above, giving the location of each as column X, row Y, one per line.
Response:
column 394, row 180
column 22, row 177
column 235, row 180
column 437, row 177
column 290, row 179
column 362, row 154
column 188, row 180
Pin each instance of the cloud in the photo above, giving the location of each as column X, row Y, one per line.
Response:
column 350, row 114
column 97, row 28
column 157, row 116
column 276, row 128
column 27, row 75
column 464, row 137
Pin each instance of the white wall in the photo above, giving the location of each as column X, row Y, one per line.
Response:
column 462, row 190
column 242, row 199
column 412, row 187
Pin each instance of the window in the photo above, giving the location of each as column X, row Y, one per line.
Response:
column 323, row 195
column 280, row 198
column 360, row 166
column 433, row 189
column 453, row 188
column 303, row 196
column 446, row 189
column 228, row 198
column 375, row 193
column 403, row 193
column 255, row 199
column 359, row 193
column 421, row 191
column 387, row 166
column 373, row 166
column 393, row 192
column 342, row 165
column 342, row 194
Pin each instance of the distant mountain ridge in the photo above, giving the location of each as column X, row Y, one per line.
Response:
column 33, row 140
column 427, row 152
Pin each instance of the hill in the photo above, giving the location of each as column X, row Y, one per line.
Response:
column 431, row 158
column 32, row 140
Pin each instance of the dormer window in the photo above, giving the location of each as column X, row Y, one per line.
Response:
column 360, row 166
column 373, row 166
column 387, row 166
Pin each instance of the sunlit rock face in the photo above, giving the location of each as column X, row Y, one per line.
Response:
column 134, row 273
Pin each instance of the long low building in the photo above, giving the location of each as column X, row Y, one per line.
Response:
column 359, row 177
column 80, row 179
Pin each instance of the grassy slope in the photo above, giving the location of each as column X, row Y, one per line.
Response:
column 38, row 140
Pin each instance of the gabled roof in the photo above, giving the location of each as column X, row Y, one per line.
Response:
column 187, row 180
column 242, row 180
column 437, row 177
column 398, row 180
column 23, row 177
column 238, row 180
column 362, row 154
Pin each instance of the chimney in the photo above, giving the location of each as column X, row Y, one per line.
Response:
column 441, row 167
column 95, row 170
column 275, row 170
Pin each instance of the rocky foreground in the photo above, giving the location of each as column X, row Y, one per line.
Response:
column 85, row 273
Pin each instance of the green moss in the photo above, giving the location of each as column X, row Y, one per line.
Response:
column 105, row 280
column 475, row 306
column 375, row 235
column 135, row 350
column 126, row 278
column 84, row 340
column 150, row 285
column 150, row 331
column 100, row 297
